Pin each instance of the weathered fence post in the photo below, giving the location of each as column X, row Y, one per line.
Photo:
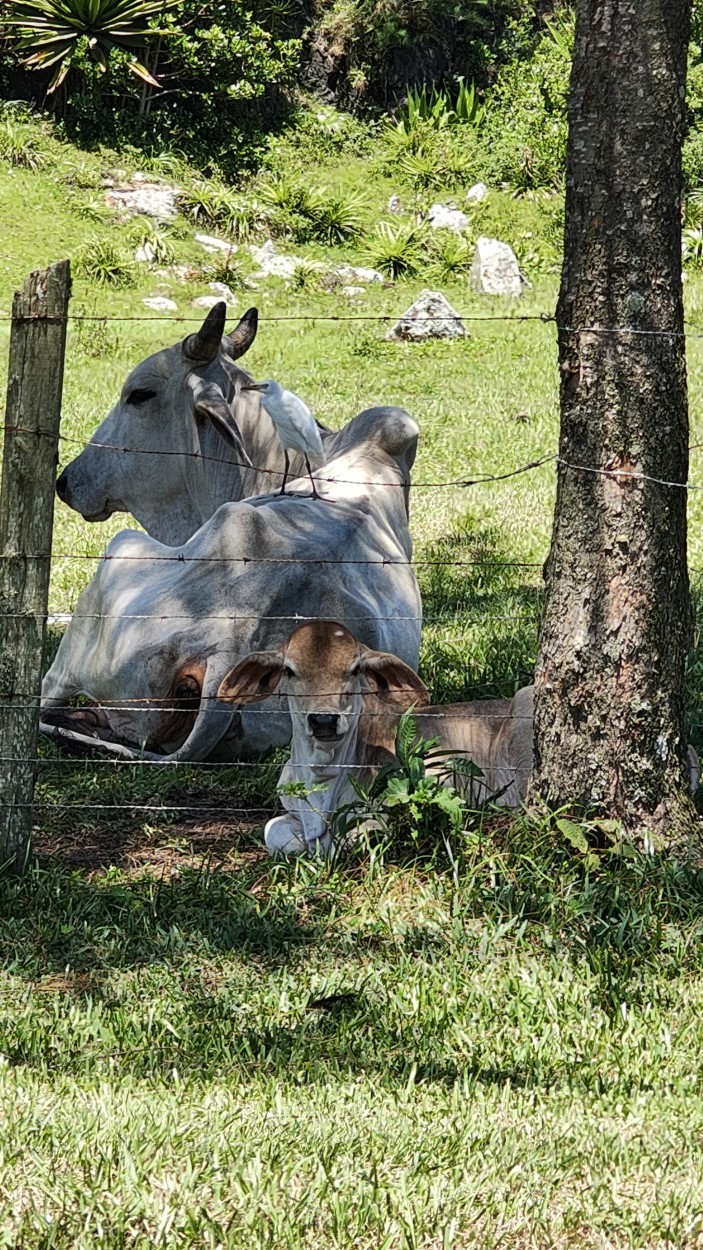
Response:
column 30, row 453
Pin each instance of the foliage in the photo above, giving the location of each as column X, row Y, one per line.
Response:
column 156, row 244
column 106, row 262
column 384, row 48
column 19, row 145
column 396, row 248
column 58, row 33
column 453, row 254
column 523, row 138
column 307, row 213
column 692, row 246
column 412, row 805
column 435, row 109
column 213, row 205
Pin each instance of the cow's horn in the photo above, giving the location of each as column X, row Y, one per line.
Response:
column 205, row 344
column 242, row 336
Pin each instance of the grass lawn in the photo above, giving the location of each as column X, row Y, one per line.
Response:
column 201, row 1048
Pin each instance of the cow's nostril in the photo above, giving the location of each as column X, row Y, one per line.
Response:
column 62, row 487
column 324, row 725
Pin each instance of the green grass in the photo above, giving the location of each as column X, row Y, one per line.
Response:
column 512, row 1058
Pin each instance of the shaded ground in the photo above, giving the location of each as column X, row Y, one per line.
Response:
column 163, row 851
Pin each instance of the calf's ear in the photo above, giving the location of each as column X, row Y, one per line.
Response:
column 393, row 681
column 253, row 678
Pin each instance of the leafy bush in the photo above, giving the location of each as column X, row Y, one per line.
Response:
column 523, row 138
column 396, row 248
column 156, row 244
column 215, row 206
column 105, row 262
column 310, row 213
column 336, row 218
column 692, row 247
column 19, row 145
column 453, row 256
column 410, row 806
column 59, row 34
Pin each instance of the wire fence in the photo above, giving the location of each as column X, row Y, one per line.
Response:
column 18, row 700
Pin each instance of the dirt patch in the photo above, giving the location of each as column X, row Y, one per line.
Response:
column 165, row 852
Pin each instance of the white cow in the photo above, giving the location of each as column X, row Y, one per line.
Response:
column 345, row 700
column 157, row 629
column 183, row 438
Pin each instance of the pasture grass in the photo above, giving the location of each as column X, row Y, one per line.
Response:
column 199, row 1047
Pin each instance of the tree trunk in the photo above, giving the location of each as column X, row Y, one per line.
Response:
column 617, row 626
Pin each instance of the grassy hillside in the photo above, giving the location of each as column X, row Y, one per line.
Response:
column 201, row 1048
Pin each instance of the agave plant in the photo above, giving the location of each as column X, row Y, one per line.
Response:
column 50, row 32
column 336, row 218
column 395, row 249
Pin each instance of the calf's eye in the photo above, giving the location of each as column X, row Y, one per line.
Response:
column 140, row 397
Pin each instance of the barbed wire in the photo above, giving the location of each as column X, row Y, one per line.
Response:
column 543, row 318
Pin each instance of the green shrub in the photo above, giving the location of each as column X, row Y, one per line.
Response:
column 523, row 139
column 396, row 248
column 453, row 254
column 19, row 146
column 105, row 262
column 156, row 243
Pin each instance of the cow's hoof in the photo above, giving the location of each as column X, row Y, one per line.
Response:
column 283, row 838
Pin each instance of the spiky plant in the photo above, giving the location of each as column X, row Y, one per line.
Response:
column 453, row 256
column 336, row 218
column 18, row 145
column 104, row 261
column 52, row 33
column 396, row 248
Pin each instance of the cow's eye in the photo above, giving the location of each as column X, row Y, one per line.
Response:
column 140, row 397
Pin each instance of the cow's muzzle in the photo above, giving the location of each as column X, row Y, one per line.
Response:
column 62, row 487
column 324, row 726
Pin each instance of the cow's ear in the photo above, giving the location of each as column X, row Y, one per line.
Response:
column 240, row 339
column 252, row 679
column 211, row 405
column 393, row 681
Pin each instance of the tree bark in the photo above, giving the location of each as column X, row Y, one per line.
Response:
column 617, row 626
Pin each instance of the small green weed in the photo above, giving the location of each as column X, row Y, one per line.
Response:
column 19, row 145
column 106, row 262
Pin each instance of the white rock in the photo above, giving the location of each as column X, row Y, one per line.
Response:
column 494, row 269
column 476, row 193
column 442, row 218
column 148, row 199
column 211, row 244
column 271, row 263
column 222, row 291
column 160, row 303
column 394, row 204
column 358, row 274
column 352, row 291
column 430, row 317
column 206, row 301
column 144, row 254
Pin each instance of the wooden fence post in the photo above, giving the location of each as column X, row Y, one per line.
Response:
column 30, row 455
